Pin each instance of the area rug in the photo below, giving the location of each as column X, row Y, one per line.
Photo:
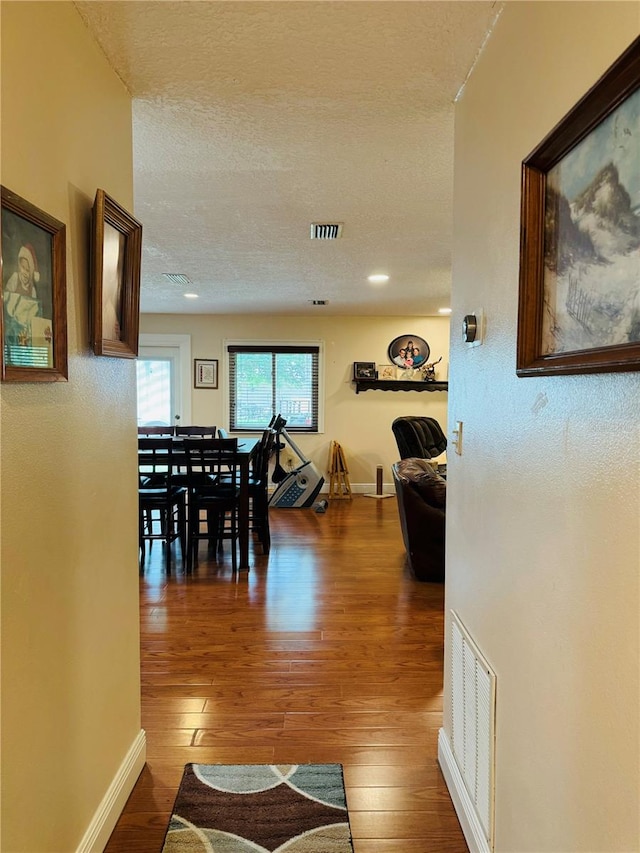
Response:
column 260, row 808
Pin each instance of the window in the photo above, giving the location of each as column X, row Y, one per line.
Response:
column 268, row 380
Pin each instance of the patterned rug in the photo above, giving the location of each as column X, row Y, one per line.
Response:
column 260, row 808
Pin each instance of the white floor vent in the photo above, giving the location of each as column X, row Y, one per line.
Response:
column 473, row 703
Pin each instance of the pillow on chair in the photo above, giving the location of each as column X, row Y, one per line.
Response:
column 420, row 475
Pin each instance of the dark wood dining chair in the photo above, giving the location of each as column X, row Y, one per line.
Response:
column 156, row 430
column 157, row 493
column 201, row 431
column 258, row 490
column 214, row 494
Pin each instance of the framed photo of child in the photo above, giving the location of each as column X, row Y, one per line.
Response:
column 34, row 300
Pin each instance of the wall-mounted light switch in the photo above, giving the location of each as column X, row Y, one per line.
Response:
column 457, row 438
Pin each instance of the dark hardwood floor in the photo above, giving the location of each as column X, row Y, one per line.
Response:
column 326, row 651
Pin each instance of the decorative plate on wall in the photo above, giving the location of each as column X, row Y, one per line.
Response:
column 409, row 351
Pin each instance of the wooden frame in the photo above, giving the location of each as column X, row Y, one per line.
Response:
column 33, row 321
column 387, row 371
column 205, row 373
column 579, row 302
column 408, row 351
column 116, row 250
column 364, row 370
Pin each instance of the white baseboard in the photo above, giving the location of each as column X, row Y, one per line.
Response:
column 471, row 827
column 107, row 814
column 364, row 488
column 356, row 489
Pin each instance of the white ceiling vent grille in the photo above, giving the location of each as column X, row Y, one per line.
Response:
column 177, row 278
column 326, row 230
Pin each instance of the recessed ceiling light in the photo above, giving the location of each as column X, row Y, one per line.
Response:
column 444, row 310
column 190, row 295
column 378, row 279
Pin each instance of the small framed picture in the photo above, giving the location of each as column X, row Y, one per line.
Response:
column 364, row 370
column 205, row 373
column 387, row 371
column 33, row 321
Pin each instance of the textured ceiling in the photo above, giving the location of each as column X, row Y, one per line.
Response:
column 254, row 119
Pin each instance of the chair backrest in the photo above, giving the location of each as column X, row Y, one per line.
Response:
column 214, row 457
column 419, row 437
column 260, row 462
column 202, row 431
column 222, row 433
column 155, row 460
column 156, row 430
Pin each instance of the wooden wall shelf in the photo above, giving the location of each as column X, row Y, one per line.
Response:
column 398, row 385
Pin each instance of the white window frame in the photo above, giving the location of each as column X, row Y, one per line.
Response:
column 237, row 342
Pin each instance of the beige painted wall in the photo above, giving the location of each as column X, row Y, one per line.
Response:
column 361, row 423
column 70, row 647
column 544, row 504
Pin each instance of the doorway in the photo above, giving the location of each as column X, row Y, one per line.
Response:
column 163, row 380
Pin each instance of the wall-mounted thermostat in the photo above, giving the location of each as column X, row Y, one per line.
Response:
column 469, row 328
column 473, row 328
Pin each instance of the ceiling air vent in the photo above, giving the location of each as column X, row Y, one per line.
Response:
column 326, row 230
column 177, row 278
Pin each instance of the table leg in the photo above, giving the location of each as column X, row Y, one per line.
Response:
column 243, row 515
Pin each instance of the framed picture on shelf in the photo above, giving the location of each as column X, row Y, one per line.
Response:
column 116, row 250
column 205, row 373
column 408, row 351
column 579, row 301
column 387, row 371
column 34, row 293
column 364, row 370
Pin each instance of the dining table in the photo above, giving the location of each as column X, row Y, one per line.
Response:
column 247, row 447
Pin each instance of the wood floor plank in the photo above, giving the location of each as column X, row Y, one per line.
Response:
column 325, row 652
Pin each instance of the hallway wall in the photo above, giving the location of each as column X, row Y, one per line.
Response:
column 70, row 631
column 543, row 517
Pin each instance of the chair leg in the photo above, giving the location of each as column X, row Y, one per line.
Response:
column 234, row 539
column 182, row 529
column 266, row 535
column 141, row 531
column 166, row 526
column 192, row 520
column 261, row 515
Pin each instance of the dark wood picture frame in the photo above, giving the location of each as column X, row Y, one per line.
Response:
column 566, row 324
column 116, row 251
column 205, row 373
column 33, row 320
column 407, row 351
column 364, row 370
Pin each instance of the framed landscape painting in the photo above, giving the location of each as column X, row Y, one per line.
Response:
column 579, row 308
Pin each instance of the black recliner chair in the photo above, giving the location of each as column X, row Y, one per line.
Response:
column 422, row 499
column 419, row 437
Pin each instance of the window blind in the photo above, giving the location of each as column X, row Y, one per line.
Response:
column 265, row 380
